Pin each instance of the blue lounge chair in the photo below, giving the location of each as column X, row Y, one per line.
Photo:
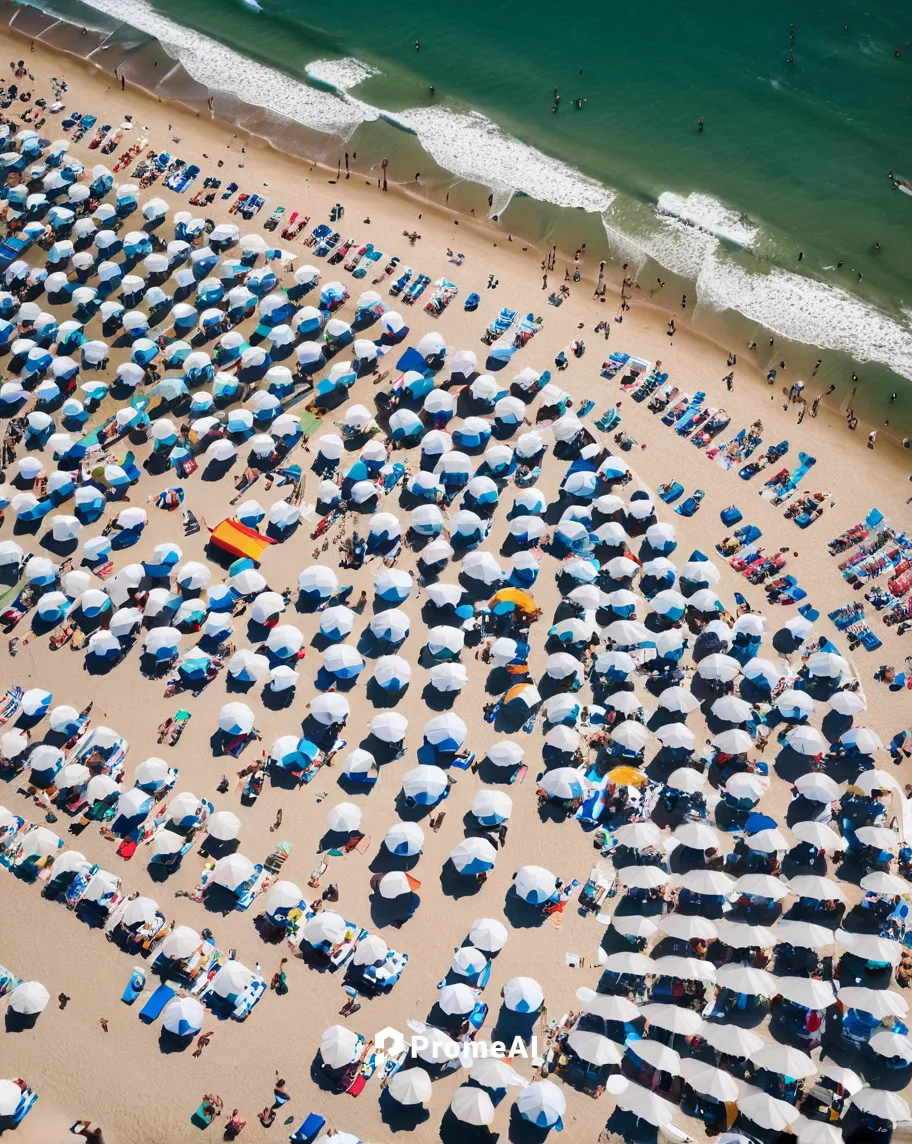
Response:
column 153, row 1008
column 309, row 1130
column 690, row 506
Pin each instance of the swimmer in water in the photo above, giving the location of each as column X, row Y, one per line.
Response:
column 700, row 125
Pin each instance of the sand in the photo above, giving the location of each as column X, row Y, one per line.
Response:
column 119, row 1078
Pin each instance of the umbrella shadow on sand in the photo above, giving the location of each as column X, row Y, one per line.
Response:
column 522, row 914
column 456, row 885
column 523, row 1131
column 401, row 1117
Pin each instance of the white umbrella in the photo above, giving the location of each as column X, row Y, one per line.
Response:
column 488, row 935
column 29, row 999
column 338, row 1046
column 767, row 1111
column 472, row 1105
column 656, row 1054
column 457, row 1000
column 710, row 1081
column 371, row 950
column 542, row 1103
column 523, row 995
column 882, row 1104
column 410, row 1086
column 594, row 1048
column 344, row 818
column 734, row 742
column 326, row 927
column 394, row 884
column 784, row 1059
column 806, row 741
column 673, row 1018
column 534, row 884
column 646, row 1105
column 820, row 889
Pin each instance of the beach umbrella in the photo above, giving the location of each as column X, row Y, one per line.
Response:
column 424, row 784
column 472, row 1105
column 473, row 856
column 394, row 884
column 869, row 947
column 444, row 641
column 827, row 665
column 236, row 719
column 410, row 1086
column 183, row 1016
column 488, row 935
column 819, row 835
column 803, row 935
column 795, row 705
column 847, row 702
column 233, row 871
column 505, row 753
column 710, row 882
column 339, row 1046
column 768, row 1112
column 631, row 736
column 371, row 950
column 718, row 667
column 881, row 1103
column 492, row 807
column 405, row 839
column 643, row 877
column 325, row 928
column 392, row 673
column 13, row 743
column 523, row 995
column 862, row 740
column 456, row 1000
column 735, row 742
column 446, row 732
column 542, row 1103
column 816, row 888
column 344, row 818
column 28, row 999
column 337, row 622
column 224, row 825
column 390, row 626
column 676, row 737
column 879, row 1003
column 710, row 1081
column 687, row 927
column 807, row 992
column 534, row 884
column 343, row 661
column 806, row 741
column 563, row 783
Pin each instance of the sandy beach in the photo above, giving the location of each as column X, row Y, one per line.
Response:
column 118, row 1076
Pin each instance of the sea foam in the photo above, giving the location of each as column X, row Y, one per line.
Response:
column 341, row 74
column 807, row 311
column 222, row 69
column 473, row 147
column 709, row 215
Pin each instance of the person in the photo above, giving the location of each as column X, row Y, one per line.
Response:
column 278, row 821
column 202, row 1041
column 700, row 125
column 87, row 1131
column 63, row 999
column 279, row 983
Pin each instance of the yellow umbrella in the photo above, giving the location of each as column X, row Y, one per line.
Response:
column 627, row 776
column 521, row 599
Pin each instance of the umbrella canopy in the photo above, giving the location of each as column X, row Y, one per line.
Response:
column 488, row 935
column 523, row 995
column 472, row 1105
column 29, row 998
column 542, row 1103
column 410, row 1086
column 338, row 1046
column 183, row 1016
column 534, row 884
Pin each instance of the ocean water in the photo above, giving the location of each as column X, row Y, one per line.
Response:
column 806, row 108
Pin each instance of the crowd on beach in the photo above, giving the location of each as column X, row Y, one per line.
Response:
column 758, row 909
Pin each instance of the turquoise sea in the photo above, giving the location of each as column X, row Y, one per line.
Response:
column 806, row 106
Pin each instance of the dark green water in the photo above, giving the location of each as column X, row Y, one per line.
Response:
column 793, row 158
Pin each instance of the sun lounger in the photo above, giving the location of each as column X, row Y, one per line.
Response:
column 277, row 858
column 309, row 1130
column 153, row 1008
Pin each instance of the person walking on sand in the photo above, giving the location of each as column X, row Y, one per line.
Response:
column 278, row 822
column 202, row 1041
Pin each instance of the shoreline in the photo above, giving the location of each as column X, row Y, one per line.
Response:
column 717, row 328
